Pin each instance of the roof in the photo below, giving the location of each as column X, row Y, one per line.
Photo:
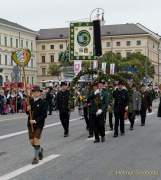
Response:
column 57, row 33
column 106, row 30
column 15, row 25
column 121, row 29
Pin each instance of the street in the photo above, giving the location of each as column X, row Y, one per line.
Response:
column 135, row 156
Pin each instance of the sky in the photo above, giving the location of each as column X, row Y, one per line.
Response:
column 42, row 14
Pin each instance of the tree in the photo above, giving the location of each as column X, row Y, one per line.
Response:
column 54, row 69
column 64, row 57
column 135, row 63
column 141, row 63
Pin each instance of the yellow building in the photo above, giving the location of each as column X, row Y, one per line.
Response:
column 122, row 39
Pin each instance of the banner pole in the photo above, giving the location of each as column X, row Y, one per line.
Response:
column 27, row 95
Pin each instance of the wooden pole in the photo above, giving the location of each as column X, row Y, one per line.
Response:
column 27, row 95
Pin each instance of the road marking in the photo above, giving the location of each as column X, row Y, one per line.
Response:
column 10, row 119
column 28, row 168
column 25, row 131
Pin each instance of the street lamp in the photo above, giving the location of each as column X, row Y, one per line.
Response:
column 97, row 14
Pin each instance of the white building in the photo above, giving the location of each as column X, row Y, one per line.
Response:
column 13, row 37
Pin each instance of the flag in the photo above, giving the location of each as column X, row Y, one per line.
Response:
column 95, row 64
column 104, row 67
column 112, row 68
column 77, row 66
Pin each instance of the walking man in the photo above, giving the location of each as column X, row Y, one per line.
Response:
column 63, row 107
column 145, row 103
column 120, row 96
column 134, row 104
column 39, row 113
column 99, row 108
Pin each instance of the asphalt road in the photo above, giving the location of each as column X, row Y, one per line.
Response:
column 135, row 156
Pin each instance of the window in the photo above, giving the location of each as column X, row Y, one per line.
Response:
column 128, row 54
column 128, row 43
column 44, row 71
column 61, row 46
column 11, row 42
column 27, row 44
column 6, row 60
column 138, row 43
column 118, row 43
column 139, row 52
column 32, row 63
column 16, row 43
column 6, row 78
column 11, row 62
column 0, row 59
column 43, row 59
column 43, row 47
column 108, row 44
column 21, row 43
column 52, row 46
column 32, row 80
column 31, row 46
column 52, row 58
column 27, row 80
column 118, row 54
column 5, row 41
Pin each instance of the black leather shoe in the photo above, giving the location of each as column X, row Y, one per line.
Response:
column 122, row 134
column 102, row 139
column 131, row 128
column 41, row 154
column 142, row 124
column 90, row 136
column 115, row 135
column 66, row 135
column 35, row 161
column 96, row 141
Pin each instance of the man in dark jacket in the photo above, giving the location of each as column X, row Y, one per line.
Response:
column 62, row 102
column 120, row 96
column 145, row 103
column 91, row 108
column 49, row 100
column 36, row 121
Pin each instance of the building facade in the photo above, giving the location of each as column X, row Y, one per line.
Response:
column 46, row 44
column 122, row 39
column 14, row 37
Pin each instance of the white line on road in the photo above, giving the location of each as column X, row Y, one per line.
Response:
column 25, row 131
column 10, row 119
column 28, row 168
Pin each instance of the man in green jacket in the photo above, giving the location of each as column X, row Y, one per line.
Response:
column 99, row 104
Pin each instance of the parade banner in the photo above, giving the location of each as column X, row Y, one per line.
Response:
column 77, row 66
column 104, row 67
column 95, row 64
column 112, row 68
column 21, row 57
column 82, row 41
